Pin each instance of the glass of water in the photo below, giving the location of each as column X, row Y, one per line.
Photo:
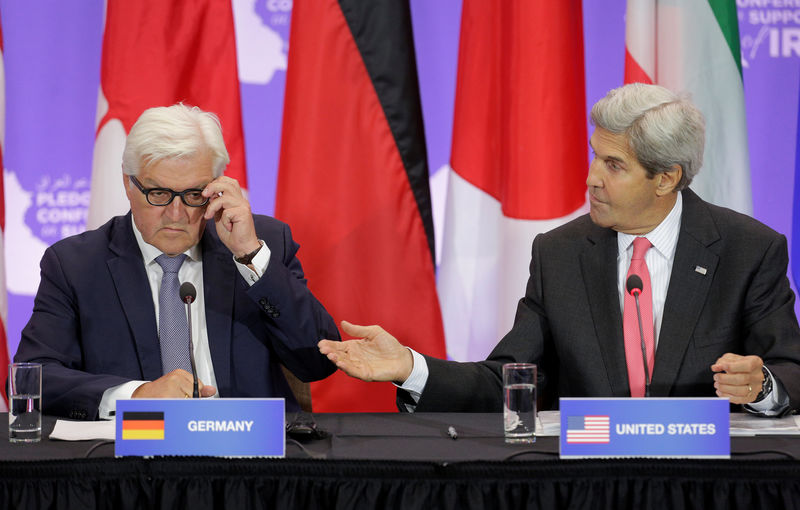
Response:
column 25, row 400
column 519, row 402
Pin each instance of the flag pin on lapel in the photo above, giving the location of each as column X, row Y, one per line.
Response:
column 701, row 270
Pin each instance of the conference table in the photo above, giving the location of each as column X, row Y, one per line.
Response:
column 392, row 460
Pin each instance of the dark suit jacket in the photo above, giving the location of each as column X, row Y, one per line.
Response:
column 569, row 322
column 94, row 327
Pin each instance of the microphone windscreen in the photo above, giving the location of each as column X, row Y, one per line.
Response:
column 634, row 283
column 188, row 292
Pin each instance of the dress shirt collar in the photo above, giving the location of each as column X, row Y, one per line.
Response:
column 150, row 252
column 664, row 237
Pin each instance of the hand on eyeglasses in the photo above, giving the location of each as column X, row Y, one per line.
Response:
column 232, row 216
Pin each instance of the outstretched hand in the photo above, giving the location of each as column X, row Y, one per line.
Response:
column 373, row 354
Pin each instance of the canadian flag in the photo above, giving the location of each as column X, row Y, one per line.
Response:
column 693, row 46
column 519, row 159
column 156, row 53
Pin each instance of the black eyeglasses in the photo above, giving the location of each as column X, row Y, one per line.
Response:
column 164, row 196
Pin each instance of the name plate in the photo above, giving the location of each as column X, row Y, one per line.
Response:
column 214, row 427
column 645, row 427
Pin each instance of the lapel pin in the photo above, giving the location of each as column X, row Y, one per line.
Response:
column 700, row 270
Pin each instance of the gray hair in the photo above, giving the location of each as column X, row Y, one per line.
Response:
column 662, row 128
column 176, row 131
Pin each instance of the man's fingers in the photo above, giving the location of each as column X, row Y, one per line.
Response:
column 735, row 399
column 735, row 390
column 729, row 356
column 332, row 350
column 737, row 394
column 734, row 363
column 327, row 346
column 357, row 331
column 222, row 184
column 734, row 378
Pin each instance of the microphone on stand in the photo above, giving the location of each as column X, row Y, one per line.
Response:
column 188, row 293
column 634, row 287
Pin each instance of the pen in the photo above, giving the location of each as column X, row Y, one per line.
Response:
column 451, row 431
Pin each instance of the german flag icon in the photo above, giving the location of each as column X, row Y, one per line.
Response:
column 142, row 425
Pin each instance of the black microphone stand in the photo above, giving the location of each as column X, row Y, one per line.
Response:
column 195, row 391
column 644, row 349
column 187, row 295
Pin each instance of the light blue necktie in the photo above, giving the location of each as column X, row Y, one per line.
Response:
column 173, row 328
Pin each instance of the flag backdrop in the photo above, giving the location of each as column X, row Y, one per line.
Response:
column 795, row 249
column 156, row 53
column 353, row 180
column 4, row 354
column 693, row 46
column 519, row 159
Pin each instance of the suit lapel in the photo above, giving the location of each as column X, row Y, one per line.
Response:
column 599, row 271
column 692, row 273
column 133, row 289
column 219, row 282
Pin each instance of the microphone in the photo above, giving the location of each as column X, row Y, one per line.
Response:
column 634, row 286
column 188, row 293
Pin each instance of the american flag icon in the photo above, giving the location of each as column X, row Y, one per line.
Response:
column 587, row 429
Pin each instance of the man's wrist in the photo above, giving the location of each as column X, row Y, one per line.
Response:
column 766, row 385
column 247, row 257
column 408, row 367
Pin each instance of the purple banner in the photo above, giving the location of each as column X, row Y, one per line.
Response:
column 52, row 64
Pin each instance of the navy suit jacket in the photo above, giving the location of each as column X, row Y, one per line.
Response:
column 94, row 327
column 728, row 292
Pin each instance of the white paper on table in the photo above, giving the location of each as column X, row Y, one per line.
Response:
column 746, row 424
column 742, row 424
column 548, row 424
column 83, row 430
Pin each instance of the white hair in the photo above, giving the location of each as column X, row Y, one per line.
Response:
column 176, row 131
column 663, row 128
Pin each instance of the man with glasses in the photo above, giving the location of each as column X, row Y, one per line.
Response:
column 108, row 321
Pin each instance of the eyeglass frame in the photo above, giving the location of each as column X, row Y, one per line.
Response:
column 146, row 192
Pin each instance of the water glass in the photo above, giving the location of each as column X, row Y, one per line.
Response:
column 519, row 402
column 25, row 400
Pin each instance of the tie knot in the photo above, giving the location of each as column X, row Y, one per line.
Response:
column 640, row 247
column 170, row 264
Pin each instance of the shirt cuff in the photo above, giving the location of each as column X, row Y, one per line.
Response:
column 259, row 263
column 108, row 404
column 774, row 402
column 416, row 380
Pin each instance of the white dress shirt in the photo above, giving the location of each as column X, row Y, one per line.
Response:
column 659, row 259
column 191, row 271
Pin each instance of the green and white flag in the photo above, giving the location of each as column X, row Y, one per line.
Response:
column 693, row 46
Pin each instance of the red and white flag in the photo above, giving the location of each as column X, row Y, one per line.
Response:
column 519, row 159
column 693, row 46
column 353, row 180
column 156, row 53
column 4, row 354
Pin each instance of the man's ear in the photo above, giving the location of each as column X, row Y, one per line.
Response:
column 127, row 185
column 667, row 181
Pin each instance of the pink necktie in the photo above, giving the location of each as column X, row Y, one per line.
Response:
column 630, row 321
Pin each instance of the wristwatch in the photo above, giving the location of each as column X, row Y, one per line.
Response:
column 246, row 259
column 766, row 386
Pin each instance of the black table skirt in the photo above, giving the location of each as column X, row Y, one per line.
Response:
column 399, row 461
column 206, row 483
